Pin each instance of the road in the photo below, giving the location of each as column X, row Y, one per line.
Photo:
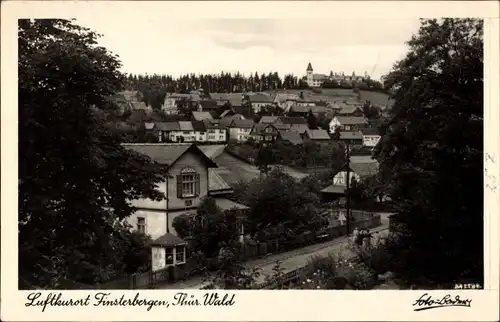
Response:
column 289, row 260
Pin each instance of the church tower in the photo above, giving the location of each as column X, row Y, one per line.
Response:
column 309, row 74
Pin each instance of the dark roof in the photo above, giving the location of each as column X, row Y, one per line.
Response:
column 318, row 109
column 226, row 121
column 219, row 96
column 309, row 67
column 244, row 124
column 282, row 126
column 198, row 126
column 259, row 98
column 319, row 134
column 168, row 126
column 208, row 105
column 149, row 125
column 291, row 136
column 370, row 131
column 186, row 126
column 351, row 120
column 300, row 109
column 292, row 120
column 299, row 128
column 258, row 128
column 168, row 240
column 349, row 109
column 212, row 124
column 168, row 154
column 268, row 119
column 226, row 204
column 199, row 116
column 351, row 136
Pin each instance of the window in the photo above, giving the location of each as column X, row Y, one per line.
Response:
column 169, row 256
column 188, row 183
column 141, row 224
column 180, row 254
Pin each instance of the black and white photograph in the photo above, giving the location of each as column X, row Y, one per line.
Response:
column 250, row 154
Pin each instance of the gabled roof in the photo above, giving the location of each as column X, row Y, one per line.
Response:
column 212, row 124
column 186, row 126
column 219, row 96
column 349, row 109
column 208, row 105
column 139, row 105
column 198, row 126
column 318, row 109
column 281, row 97
column 243, row 124
column 168, row 154
column 300, row 109
column 199, row 116
column 351, row 120
column 291, row 136
column 351, row 136
column 292, row 120
column 258, row 128
column 226, row 204
column 168, row 126
column 226, row 112
column 299, row 128
column 281, row 127
column 266, row 119
column 319, row 134
column 259, row 98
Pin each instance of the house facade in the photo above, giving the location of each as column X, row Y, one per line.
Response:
column 353, row 139
column 316, row 80
column 259, row 101
column 262, row 132
column 371, row 137
column 347, row 123
column 215, row 132
column 239, row 130
column 188, row 169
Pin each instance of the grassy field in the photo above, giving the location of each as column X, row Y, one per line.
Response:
column 376, row 98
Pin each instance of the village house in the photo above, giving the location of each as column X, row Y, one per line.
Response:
column 299, row 128
column 168, row 131
column 359, row 170
column 200, row 116
column 186, row 184
column 317, row 136
column 290, row 136
column 371, row 136
column 297, row 110
column 200, row 133
column 347, row 123
column 239, row 130
column 187, row 130
column 285, row 101
column 215, row 132
column 290, row 120
column 258, row 101
column 350, row 110
column 262, row 132
column 227, row 120
column 353, row 139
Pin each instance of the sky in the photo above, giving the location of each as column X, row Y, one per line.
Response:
column 179, row 46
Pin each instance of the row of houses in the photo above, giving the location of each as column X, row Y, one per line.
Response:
column 191, row 174
column 288, row 103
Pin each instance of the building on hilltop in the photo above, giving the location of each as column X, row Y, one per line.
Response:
column 316, row 80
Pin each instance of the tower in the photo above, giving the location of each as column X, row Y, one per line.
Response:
column 309, row 76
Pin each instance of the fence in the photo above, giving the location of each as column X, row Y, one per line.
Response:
column 246, row 252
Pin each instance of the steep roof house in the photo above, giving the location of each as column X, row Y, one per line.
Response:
column 262, row 132
column 258, row 101
column 266, row 119
column 371, row 136
column 350, row 110
column 240, row 129
column 354, row 139
column 291, row 120
column 319, row 136
column 290, row 136
column 348, row 123
column 187, row 183
column 299, row 128
column 200, row 116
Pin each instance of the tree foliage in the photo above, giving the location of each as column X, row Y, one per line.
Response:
column 210, row 229
column 75, row 179
column 432, row 150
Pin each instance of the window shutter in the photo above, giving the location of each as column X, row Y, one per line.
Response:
column 179, row 186
column 197, row 184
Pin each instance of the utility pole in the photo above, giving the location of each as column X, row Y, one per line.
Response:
column 347, row 196
column 166, row 201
